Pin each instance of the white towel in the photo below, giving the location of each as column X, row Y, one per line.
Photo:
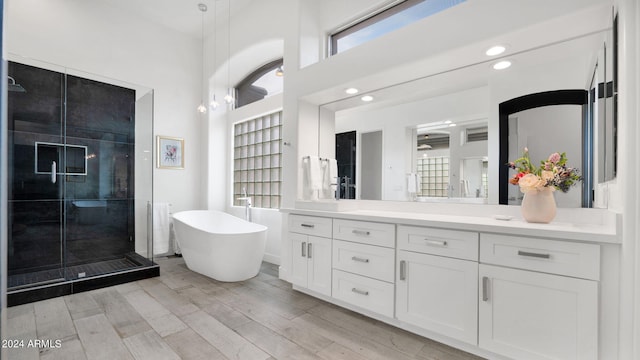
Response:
column 464, row 188
column 333, row 173
column 314, row 173
column 412, row 183
column 329, row 174
column 161, row 228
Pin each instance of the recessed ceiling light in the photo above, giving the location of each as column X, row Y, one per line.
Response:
column 502, row 65
column 452, row 125
column 367, row 98
column 448, row 122
column 351, row 91
column 496, row 50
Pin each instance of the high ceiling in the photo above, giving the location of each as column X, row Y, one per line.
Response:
column 180, row 15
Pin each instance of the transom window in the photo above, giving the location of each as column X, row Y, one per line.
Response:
column 260, row 84
column 257, row 159
column 385, row 21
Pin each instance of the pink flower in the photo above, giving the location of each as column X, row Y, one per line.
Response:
column 531, row 182
column 554, row 158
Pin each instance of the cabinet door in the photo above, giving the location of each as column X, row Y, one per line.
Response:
column 530, row 315
column 319, row 267
column 439, row 294
column 299, row 273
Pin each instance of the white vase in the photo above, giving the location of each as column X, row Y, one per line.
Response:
column 539, row 206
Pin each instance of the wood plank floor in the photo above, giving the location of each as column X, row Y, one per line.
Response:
column 184, row 315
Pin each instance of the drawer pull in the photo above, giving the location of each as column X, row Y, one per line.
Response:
column 361, row 232
column 359, row 259
column 436, row 243
column 485, row 288
column 403, row 270
column 304, row 249
column 361, row 292
column 535, row 255
column 309, row 250
column 310, row 226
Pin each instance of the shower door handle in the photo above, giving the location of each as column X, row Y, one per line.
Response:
column 53, row 172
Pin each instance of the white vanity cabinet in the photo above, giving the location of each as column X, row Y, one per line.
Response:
column 538, row 298
column 363, row 264
column 491, row 288
column 310, row 239
column 437, row 281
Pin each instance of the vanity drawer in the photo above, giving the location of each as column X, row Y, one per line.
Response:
column 310, row 225
column 451, row 243
column 550, row 256
column 370, row 294
column 372, row 261
column 365, row 232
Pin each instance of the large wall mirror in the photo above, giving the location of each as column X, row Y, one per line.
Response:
column 438, row 137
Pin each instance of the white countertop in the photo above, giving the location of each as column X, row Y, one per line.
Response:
column 604, row 230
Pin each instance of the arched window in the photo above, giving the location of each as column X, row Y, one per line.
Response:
column 262, row 83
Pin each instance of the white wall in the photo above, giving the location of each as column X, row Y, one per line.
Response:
column 99, row 39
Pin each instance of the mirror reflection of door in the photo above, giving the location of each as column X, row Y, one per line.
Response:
column 545, row 130
column 346, row 159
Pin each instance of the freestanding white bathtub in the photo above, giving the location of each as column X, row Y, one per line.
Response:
column 219, row 245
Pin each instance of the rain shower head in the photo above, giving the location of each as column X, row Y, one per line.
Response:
column 15, row 87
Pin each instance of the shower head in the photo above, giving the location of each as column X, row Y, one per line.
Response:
column 15, row 87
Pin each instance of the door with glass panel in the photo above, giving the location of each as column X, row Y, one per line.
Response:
column 35, row 115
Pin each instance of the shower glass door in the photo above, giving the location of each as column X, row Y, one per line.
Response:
column 77, row 144
column 35, row 115
column 99, row 185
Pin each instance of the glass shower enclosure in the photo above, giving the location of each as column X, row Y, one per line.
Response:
column 80, row 181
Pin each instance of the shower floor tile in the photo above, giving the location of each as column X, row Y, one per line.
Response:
column 73, row 272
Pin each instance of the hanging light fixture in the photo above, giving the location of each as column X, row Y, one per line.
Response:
column 229, row 97
column 214, row 104
column 202, row 108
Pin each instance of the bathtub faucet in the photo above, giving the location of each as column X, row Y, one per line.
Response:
column 247, row 206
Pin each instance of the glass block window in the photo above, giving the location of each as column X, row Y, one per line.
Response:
column 434, row 176
column 257, row 154
column 485, row 180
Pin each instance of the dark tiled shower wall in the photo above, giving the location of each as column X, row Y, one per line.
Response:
column 47, row 223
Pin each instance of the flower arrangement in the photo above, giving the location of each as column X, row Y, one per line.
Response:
column 552, row 173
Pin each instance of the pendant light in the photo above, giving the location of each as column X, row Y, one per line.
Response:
column 213, row 105
column 228, row 98
column 202, row 108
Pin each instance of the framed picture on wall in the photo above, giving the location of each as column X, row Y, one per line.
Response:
column 170, row 152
